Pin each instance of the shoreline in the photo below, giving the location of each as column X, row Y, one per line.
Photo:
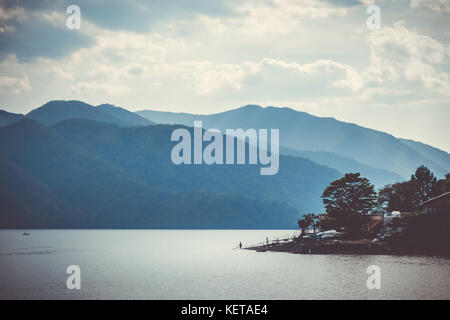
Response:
column 352, row 247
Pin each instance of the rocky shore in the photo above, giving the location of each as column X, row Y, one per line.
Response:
column 308, row 246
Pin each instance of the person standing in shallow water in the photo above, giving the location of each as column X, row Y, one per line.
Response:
column 240, row 245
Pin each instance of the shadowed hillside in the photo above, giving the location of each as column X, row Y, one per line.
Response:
column 144, row 153
column 8, row 117
column 86, row 174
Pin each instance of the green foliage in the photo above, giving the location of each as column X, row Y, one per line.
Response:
column 349, row 196
column 348, row 199
column 424, row 184
column 326, row 223
column 408, row 195
column 309, row 220
column 303, row 224
column 313, row 221
column 398, row 197
column 442, row 185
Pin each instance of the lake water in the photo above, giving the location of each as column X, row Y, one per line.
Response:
column 200, row 264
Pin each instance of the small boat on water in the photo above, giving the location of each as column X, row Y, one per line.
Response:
column 25, row 234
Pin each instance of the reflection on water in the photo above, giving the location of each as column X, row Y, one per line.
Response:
column 200, row 264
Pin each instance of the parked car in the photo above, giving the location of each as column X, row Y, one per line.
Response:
column 327, row 234
column 393, row 214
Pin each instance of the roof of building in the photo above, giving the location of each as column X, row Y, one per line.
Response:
column 444, row 195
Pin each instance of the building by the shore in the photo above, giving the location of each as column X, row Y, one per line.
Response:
column 437, row 205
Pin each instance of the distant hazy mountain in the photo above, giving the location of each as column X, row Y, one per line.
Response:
column 302, row 131
column 56, row 111
column 440, row 157
column 87, row 174
column 130, row 119
column 69, row 164
column 144, row 153
column 8, row 117
column 171, row 117
column 344, row 164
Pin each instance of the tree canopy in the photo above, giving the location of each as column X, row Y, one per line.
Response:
column 408, row 195
column 350, row 195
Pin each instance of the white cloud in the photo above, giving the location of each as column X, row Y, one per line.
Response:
column 17, row 13
column 435, row 5
column 209, row 77
column 311, row 54
column 260, row 18
column 6, row 15
column 96, row 87
column 351, row 78
column 58, row 73
column 14, row 85
column 401, row 57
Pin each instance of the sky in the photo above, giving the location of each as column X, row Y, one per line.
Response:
column 206, row 56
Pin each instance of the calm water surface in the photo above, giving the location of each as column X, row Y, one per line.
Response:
column 200, row 264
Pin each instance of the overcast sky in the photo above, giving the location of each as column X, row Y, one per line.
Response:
column 206, row 56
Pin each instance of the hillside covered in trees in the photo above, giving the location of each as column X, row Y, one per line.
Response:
column 81, row 173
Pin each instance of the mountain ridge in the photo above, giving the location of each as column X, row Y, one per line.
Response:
column 56, row 111
column 304, row 132
column 9, row 117
column 343, row 164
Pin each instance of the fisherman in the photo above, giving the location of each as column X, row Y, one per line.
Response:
column 240, row 245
